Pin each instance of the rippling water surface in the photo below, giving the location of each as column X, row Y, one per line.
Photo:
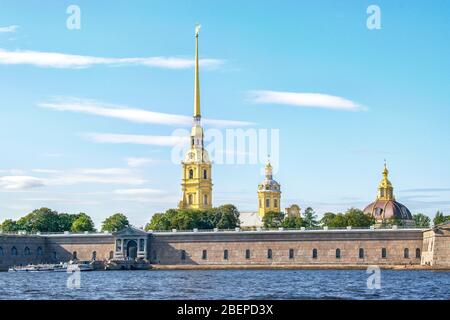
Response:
column 227, row 284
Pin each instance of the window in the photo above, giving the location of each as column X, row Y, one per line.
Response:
column 291, row 253
column 183, row 254
column 382, row 192
column 338, row 253
column 267, row 203
column 205, row 199
column 269, row 254
column 154, row 255
column 39, row 251
column 74, row 255
column 111, row 255
column 260, row 203
column 55, row 256
column 361, row 253
column 1, row 252
column 314, row 254
column 14, row 251
column 27, row 251
column 383, row 253
column 118, row 245
column 205, row 254
column 191, row 174
column 94, row 255
column 190, row 199
column 418, row 253
column 406, row 253
column 205, row 174
column 275, row 203
column 247, row 254
column 225, row 254
column 141, row 245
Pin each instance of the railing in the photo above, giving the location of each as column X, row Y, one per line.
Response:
column 258, row 229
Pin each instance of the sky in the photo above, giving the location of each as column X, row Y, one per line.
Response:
column 90, row 117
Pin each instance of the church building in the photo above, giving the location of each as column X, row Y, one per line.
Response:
column 196, row 183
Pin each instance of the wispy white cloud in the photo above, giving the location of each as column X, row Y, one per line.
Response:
column 71, row 61
column 138, row 162
column 300, row 99
column 129, row 114
column 138, row 191
column 20, row 182
column 137, row 139
column 9, row 29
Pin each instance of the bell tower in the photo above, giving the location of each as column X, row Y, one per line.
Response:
column 196, row 183
column 269, row 193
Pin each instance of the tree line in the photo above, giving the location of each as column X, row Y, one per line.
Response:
column 47, row 220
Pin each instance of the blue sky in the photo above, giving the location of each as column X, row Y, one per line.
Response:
column 61, row 89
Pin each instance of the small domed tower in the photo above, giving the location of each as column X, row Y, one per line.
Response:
column 269, row 193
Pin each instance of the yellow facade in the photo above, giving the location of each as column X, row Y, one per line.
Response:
column 196, row 183
column 385, row 189
column 269, row 194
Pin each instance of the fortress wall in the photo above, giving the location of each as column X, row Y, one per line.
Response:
column 23, row 256
column 62, row 247
column 436, row 247
column 166, row 248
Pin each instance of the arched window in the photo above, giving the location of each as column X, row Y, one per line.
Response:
column 267, row 203
column 247, row 254
column 205, row 174
column 94, row 255
column 26, row 251
column 291, row 253
column 275, row 203
column 118, row 245
column 269, row 254
column 225, row 254
column 154, row 255
column 383, row 253
column 74, row 255
column 406, row 253
column 190, row 199
column 205, row 254
column 39, row 251
column 338, row 253
column 14, row 251
column 418, row 253
column 361, row 253
column 1, row 252
column 260, row 203
column 55, row 256
column 191, row 174
column 111, row 255
column 183, row 254
column 141, row 245
column 314, row 254
column 205, row 199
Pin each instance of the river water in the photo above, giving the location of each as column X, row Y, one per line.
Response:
column 226, row 284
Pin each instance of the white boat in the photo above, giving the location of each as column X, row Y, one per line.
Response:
column 61, row 267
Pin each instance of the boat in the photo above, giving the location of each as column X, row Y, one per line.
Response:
column 61, row 267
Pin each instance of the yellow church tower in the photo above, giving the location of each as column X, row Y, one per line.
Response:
column 269, row 193
column 196, row 183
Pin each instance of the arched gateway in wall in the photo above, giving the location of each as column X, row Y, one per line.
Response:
column 130, row 244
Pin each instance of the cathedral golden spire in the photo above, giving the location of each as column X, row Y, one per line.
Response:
column 197, row 78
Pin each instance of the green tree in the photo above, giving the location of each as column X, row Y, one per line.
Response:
column 116, row 222
column 421, row 220
column 310, row 218
column 82, row 223
column 357, row 218
column 394, row 221
column 292, row 223
column 225, row 217
column 65, row 221
column 159, row 221
column 43, row 220
column 327, row 219
column 440, row 218
column 9, row 226
column 273, row 219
